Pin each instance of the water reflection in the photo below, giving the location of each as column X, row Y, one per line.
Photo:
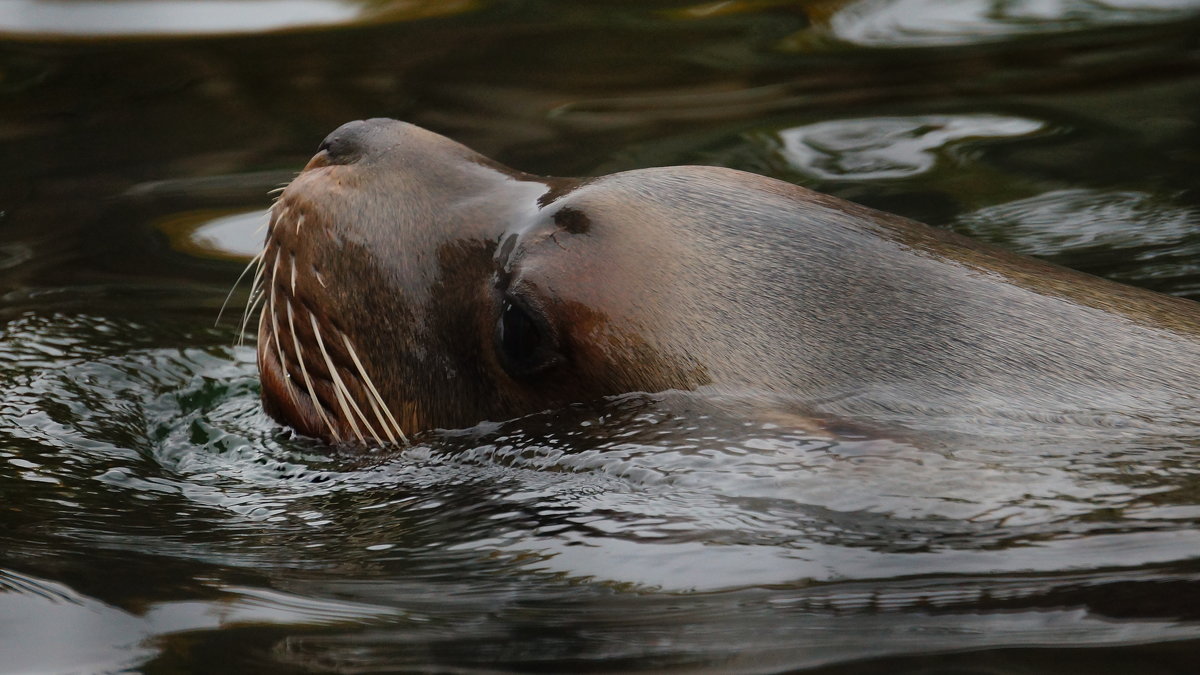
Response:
column 37, row 614
column 81, row 18
column 889, row 147
column 1064, row 220
column 591, row 515
column 154, row 515
column 12, row 255
column 644, row 491
column 237, row 236
column 902, row 23
column 1131, row 236
column 124, row 442
column 102, row 637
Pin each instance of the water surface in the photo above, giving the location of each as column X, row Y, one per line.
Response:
column 155, row 520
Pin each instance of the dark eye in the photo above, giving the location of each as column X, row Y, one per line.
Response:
column 519, row 336
column 525, row 342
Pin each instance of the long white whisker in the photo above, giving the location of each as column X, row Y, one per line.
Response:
column 270, row 307
column 341, row 386
column 256, row 299
column 253, row 263
column 344, row 399
column 256, row 286
column 307, row 380
column 375, row 399
column 269, row 312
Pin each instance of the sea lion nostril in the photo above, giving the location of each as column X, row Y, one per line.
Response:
column 346, row 144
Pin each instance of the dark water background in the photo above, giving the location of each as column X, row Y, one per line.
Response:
column 152, row 519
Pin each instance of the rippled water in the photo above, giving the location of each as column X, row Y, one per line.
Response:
column 154, row 519
column 893, row 23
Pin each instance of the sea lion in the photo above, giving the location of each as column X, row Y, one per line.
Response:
column 410, row 283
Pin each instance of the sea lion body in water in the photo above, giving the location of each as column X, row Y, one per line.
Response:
column 411, row 283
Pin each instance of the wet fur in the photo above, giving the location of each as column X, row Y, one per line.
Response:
column 388, row 251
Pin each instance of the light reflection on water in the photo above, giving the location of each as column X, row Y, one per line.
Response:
column 908, row 23
column 1129, row 236
column 1061, row 221
column 461, row 537
column 153, row 17
column 165, row 453
column 637, row 492
column 124, row 18
column 890, row 147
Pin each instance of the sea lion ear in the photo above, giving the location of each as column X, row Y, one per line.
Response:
column 525, row 342
column 572, row 220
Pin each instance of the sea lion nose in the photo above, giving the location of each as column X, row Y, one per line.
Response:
column 347, row 143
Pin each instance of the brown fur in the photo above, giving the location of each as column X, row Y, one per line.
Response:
column 677, row 278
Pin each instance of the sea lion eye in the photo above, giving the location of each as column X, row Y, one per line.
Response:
column 524, row 340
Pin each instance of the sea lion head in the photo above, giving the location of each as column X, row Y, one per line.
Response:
column 410, row 283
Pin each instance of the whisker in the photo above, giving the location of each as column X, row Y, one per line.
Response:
column 312, row 392
column 256, row 299
column 270, row 290
column 283, row 364
column 343, row 390
column 344, row 399
column 256, row 287
column 375, row 399
column 271, row 216
column 270, row 307
column 253, row 262
column 279, row 211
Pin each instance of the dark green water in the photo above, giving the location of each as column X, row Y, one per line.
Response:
column 152, row 519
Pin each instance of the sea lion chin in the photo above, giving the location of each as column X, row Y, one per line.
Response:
column 409, row 283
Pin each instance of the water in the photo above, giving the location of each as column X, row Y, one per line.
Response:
column 154, row 520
